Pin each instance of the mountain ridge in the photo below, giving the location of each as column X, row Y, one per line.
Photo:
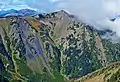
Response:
column 53, row 47
column 22, row 12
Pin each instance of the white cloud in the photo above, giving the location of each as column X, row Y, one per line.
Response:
column 53, row 1
column 114, row 26
column 96, row 12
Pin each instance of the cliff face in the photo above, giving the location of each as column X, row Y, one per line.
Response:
column 52, row 47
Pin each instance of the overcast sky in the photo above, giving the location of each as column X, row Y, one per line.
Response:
column 96, row 12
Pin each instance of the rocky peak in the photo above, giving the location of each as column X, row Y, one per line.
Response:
column 52, row 47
